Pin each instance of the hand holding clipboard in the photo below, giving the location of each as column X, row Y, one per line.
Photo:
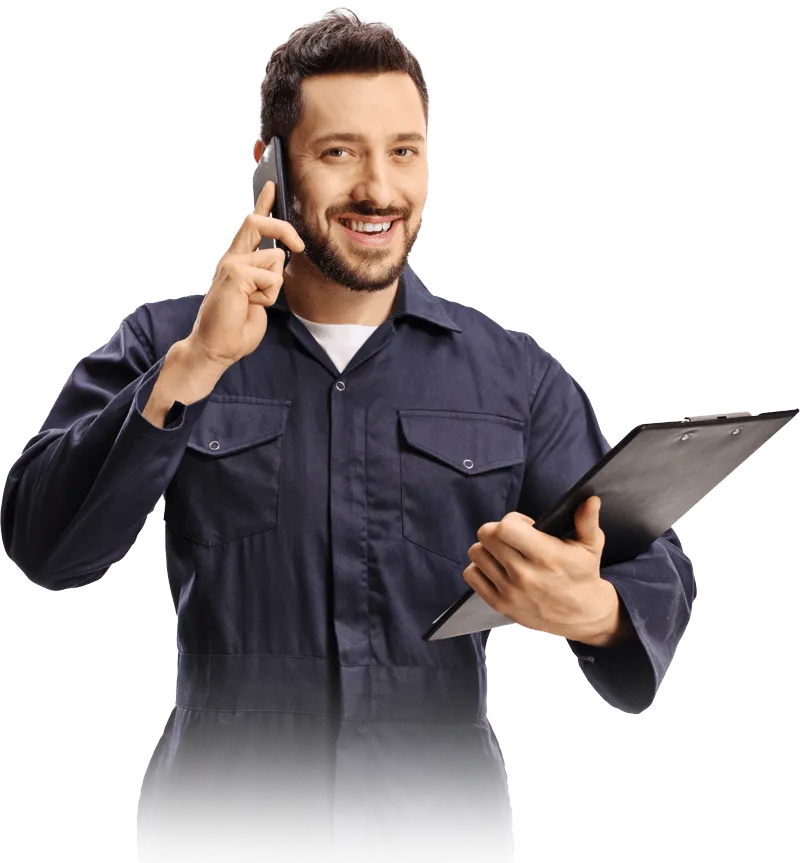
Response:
column 651, row 478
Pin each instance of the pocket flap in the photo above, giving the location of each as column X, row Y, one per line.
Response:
column 469, row 442
column 226, row 427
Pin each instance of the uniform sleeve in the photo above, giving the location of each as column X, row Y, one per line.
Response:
column 80, row 492
column 656, row 588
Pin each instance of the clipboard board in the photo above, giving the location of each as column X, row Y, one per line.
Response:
column 652, row 477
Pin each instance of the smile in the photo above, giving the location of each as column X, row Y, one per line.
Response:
column 380, row 235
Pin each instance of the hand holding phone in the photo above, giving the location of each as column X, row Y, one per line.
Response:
column 229, row 324
column 272, row 166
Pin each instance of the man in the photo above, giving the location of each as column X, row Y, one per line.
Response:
column 336, row 468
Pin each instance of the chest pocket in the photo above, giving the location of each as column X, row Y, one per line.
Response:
column 455, row 473
column 228, row 483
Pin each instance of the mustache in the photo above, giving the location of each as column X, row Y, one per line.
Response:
column 378, row 213
column 361, row 209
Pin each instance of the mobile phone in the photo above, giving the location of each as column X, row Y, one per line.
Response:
column 272, row 166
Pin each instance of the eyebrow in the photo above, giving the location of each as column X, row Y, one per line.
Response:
column 360, row 139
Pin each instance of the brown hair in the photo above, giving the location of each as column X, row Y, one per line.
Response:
column 335, row 43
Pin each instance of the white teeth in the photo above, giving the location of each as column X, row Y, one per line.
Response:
column 366, row 227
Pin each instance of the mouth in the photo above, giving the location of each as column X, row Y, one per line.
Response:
column 380, row 237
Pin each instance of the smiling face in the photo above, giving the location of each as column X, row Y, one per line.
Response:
column 358, row 154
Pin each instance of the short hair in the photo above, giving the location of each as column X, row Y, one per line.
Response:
column 336, row 43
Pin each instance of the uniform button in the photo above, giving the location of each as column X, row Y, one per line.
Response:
column 467, row 463
column 214, row 444
column 340, row 385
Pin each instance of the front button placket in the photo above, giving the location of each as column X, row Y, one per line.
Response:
column 351, row 620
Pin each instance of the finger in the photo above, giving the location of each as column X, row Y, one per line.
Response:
column 481, row 585
column 489, row 567
column 267, row 259
column 526, row 518
column 513, row 539
column 260, row 224
column 248, row 237
column 264, row 205
column 266, row 199
column 265, row 280
column 278, row 229
column 587, row 525
column 263, row 298
column 497, row 545
column 256, row 226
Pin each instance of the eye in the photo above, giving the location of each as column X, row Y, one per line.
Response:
column 410, row 150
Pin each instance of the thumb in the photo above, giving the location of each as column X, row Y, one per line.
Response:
column 587, row 524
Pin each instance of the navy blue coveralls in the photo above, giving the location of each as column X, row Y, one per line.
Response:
column 316, row 523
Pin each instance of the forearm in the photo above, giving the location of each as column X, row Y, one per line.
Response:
column 82, row 488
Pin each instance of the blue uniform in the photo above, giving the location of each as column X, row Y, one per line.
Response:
column 316, row 523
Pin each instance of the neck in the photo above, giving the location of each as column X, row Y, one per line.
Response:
column 313, row 297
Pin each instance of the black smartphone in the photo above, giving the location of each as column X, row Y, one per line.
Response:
column 272, row 166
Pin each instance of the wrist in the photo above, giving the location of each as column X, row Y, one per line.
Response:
column 187, row 375
column 613, row 625
column 196, row 360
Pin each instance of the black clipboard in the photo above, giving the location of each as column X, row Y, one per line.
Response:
column 652, row 477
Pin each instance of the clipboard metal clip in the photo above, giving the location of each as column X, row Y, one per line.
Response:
column 716, row 417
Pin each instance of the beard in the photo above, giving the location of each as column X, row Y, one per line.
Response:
column 365, row 269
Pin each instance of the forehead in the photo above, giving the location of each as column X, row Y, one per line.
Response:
column 378, row 104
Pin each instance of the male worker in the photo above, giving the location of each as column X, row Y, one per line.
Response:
column 341, row 453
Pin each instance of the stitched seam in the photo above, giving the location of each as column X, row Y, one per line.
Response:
column 480, row 417
column 248, row 710
column 424, row 721
column 205, row 544
column 366, row 531
column 237, row 655
column 343, row 664
column 239, row 444
column 219, row 398
column 367, row 739
column 406, row 526
column 503, row 462
column 144, row 341
column 541, row 382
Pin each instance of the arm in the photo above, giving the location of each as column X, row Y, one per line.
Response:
column 76, row 499
column 655, row 590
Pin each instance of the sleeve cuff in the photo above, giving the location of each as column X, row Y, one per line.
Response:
column 623, row 674
column 177, row 416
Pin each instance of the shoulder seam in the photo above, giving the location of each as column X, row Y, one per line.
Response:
column 141, row 338
column 534, row 392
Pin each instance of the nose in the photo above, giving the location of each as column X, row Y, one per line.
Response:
column 373, row 183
